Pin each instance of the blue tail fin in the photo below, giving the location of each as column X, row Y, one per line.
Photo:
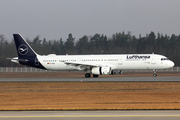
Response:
column 26, row 55
column 23, row 48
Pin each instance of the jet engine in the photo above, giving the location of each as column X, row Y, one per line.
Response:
column 101, row 70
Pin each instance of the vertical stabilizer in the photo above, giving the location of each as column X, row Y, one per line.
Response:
column 23, row 48
column 26, row 55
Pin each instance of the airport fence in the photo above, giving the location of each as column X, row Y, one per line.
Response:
column 31, row 69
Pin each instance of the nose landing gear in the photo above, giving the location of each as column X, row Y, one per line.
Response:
column 154, row 73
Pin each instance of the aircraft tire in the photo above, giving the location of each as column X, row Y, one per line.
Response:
column 87, row 75
column 95, row 76
column 154, row 75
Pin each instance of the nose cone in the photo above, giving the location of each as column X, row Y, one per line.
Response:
column 171, row 64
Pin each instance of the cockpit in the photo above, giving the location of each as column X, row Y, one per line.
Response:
column 164, row 59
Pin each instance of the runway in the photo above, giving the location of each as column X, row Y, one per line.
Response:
column 95, row 115
column 100, row 79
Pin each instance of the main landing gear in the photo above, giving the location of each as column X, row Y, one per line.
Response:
column 88, row 75
column 154, row 73
column 95, row 75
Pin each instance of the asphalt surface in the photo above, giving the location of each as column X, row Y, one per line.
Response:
column 89, row 115
column 100, row 79
column 95, row 115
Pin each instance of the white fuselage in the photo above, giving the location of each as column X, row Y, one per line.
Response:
column 93, row 64
column 115, row 62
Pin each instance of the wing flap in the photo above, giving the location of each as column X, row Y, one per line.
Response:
column 80, row 64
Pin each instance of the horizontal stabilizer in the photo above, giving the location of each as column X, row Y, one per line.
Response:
column 14, row 59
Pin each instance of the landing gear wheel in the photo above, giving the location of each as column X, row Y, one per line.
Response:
column 95, row 75
column 87, row 75
column 155, row 75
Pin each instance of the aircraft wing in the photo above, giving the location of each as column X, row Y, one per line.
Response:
column 81, row 65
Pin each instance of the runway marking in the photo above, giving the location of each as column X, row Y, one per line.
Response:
column 76, row 116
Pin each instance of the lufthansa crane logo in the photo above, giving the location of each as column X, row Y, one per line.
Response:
column 23, row 49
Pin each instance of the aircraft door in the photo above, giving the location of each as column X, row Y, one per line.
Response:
column 120, row 62
column 153, row 60
column 79, row 60
column 36, row 62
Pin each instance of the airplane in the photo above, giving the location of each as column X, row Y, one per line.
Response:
column 106, row 64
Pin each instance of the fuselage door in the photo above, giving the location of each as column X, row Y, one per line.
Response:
column 153, row 59
column 79, row 60
column 120, row 62
column 36, row 62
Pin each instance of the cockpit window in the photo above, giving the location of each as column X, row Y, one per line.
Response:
column 164, row 59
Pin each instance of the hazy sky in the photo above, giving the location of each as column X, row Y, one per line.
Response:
column 55, row 19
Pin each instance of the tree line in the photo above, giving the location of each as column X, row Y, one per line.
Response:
column 118, row 43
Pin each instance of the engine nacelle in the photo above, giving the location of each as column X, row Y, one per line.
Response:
column 101, row 70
